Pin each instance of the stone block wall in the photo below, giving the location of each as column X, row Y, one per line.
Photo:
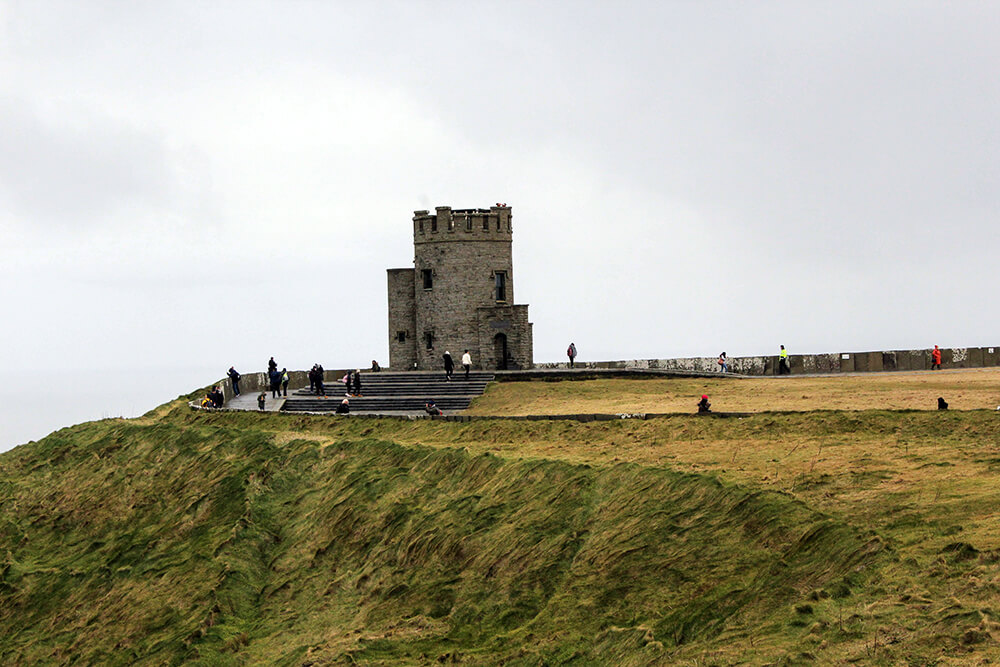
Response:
column 841, row 362
column 402, row 319
column 460, row 257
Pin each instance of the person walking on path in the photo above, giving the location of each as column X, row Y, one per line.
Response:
column 320, row 388
column 783, row 368
column 234, row 377
column 571, row 353
column 936, row 358
column 357, row 382
column 275, row 381
column 449, row 365
column 467, row 362
column 723, row 363
column 272, row 365
column 261, row 400
column 284, row 381
column 704, row 405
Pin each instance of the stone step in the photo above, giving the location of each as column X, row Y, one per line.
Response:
column 401, row 390
column 402, row 404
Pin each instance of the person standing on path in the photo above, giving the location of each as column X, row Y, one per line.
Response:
column 936, row 359
column 449, row 365
column 320, row 389
column 723, row 363
column 357, row 382
column 272, row 366
column 274, row 377
column 234, row 377
column 571, row 353
column 467, row 362
column 260, row 400
column 783, row 368
column 284, row 381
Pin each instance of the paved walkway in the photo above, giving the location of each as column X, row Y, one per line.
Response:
column 248, row 401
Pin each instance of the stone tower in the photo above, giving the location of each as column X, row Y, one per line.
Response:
column 459, row 294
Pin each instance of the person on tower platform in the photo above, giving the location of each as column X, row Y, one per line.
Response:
column 467, row 363
column 449, row 365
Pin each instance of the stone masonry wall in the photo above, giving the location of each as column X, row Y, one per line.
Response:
column 402, row 318
column 463, row 249
column 829, row 363
column 511, row 321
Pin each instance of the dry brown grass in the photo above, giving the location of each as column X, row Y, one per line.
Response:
column 968, row 389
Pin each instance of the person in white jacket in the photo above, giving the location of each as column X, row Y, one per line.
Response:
column 467, row 362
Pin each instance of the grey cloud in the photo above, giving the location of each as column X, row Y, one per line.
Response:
column 77, row 170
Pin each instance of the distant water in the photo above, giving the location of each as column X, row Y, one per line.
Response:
column 39, row 403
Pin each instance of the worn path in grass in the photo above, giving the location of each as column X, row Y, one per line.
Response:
column 967, row 389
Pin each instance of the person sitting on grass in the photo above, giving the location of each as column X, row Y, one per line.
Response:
column 703, row 404
column 344, row 408
column 431, row 408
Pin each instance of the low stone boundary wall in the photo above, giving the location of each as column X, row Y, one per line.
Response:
column 841, row 362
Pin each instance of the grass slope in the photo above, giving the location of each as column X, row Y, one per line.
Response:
column 222, row 538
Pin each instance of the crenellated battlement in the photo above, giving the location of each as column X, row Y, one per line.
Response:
column 463, row 224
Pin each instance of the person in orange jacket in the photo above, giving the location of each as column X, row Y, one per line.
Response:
column 935, row 359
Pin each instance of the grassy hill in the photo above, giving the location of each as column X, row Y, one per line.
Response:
column 223, row 538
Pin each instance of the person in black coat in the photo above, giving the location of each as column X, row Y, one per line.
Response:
column 275, row 379
column 357, row 382
column 344, row 408
column 234, row 377
column 704, row 405
column 449, row 365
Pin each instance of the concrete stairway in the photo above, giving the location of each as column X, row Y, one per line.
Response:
column 393, row 393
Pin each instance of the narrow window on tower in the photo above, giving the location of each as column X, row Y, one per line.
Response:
column 434, row 224
column 401, row 336
column 468, row 223
column 428, row 276
column 486, row 223
column 429, row 339
column 500, row 278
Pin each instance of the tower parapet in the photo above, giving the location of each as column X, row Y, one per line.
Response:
column 463, row 224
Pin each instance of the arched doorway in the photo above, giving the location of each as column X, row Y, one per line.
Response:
column 500, row 351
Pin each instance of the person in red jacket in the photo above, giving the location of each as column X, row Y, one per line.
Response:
column 935, row 359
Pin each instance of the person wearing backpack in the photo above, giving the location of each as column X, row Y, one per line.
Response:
column 571, row 353
column 284, row 381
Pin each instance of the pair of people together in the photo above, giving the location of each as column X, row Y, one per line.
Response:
column 449, row 364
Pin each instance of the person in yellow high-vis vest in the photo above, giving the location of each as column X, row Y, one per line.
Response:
column 783, row 368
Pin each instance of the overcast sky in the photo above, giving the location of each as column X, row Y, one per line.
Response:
column 193, row 185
